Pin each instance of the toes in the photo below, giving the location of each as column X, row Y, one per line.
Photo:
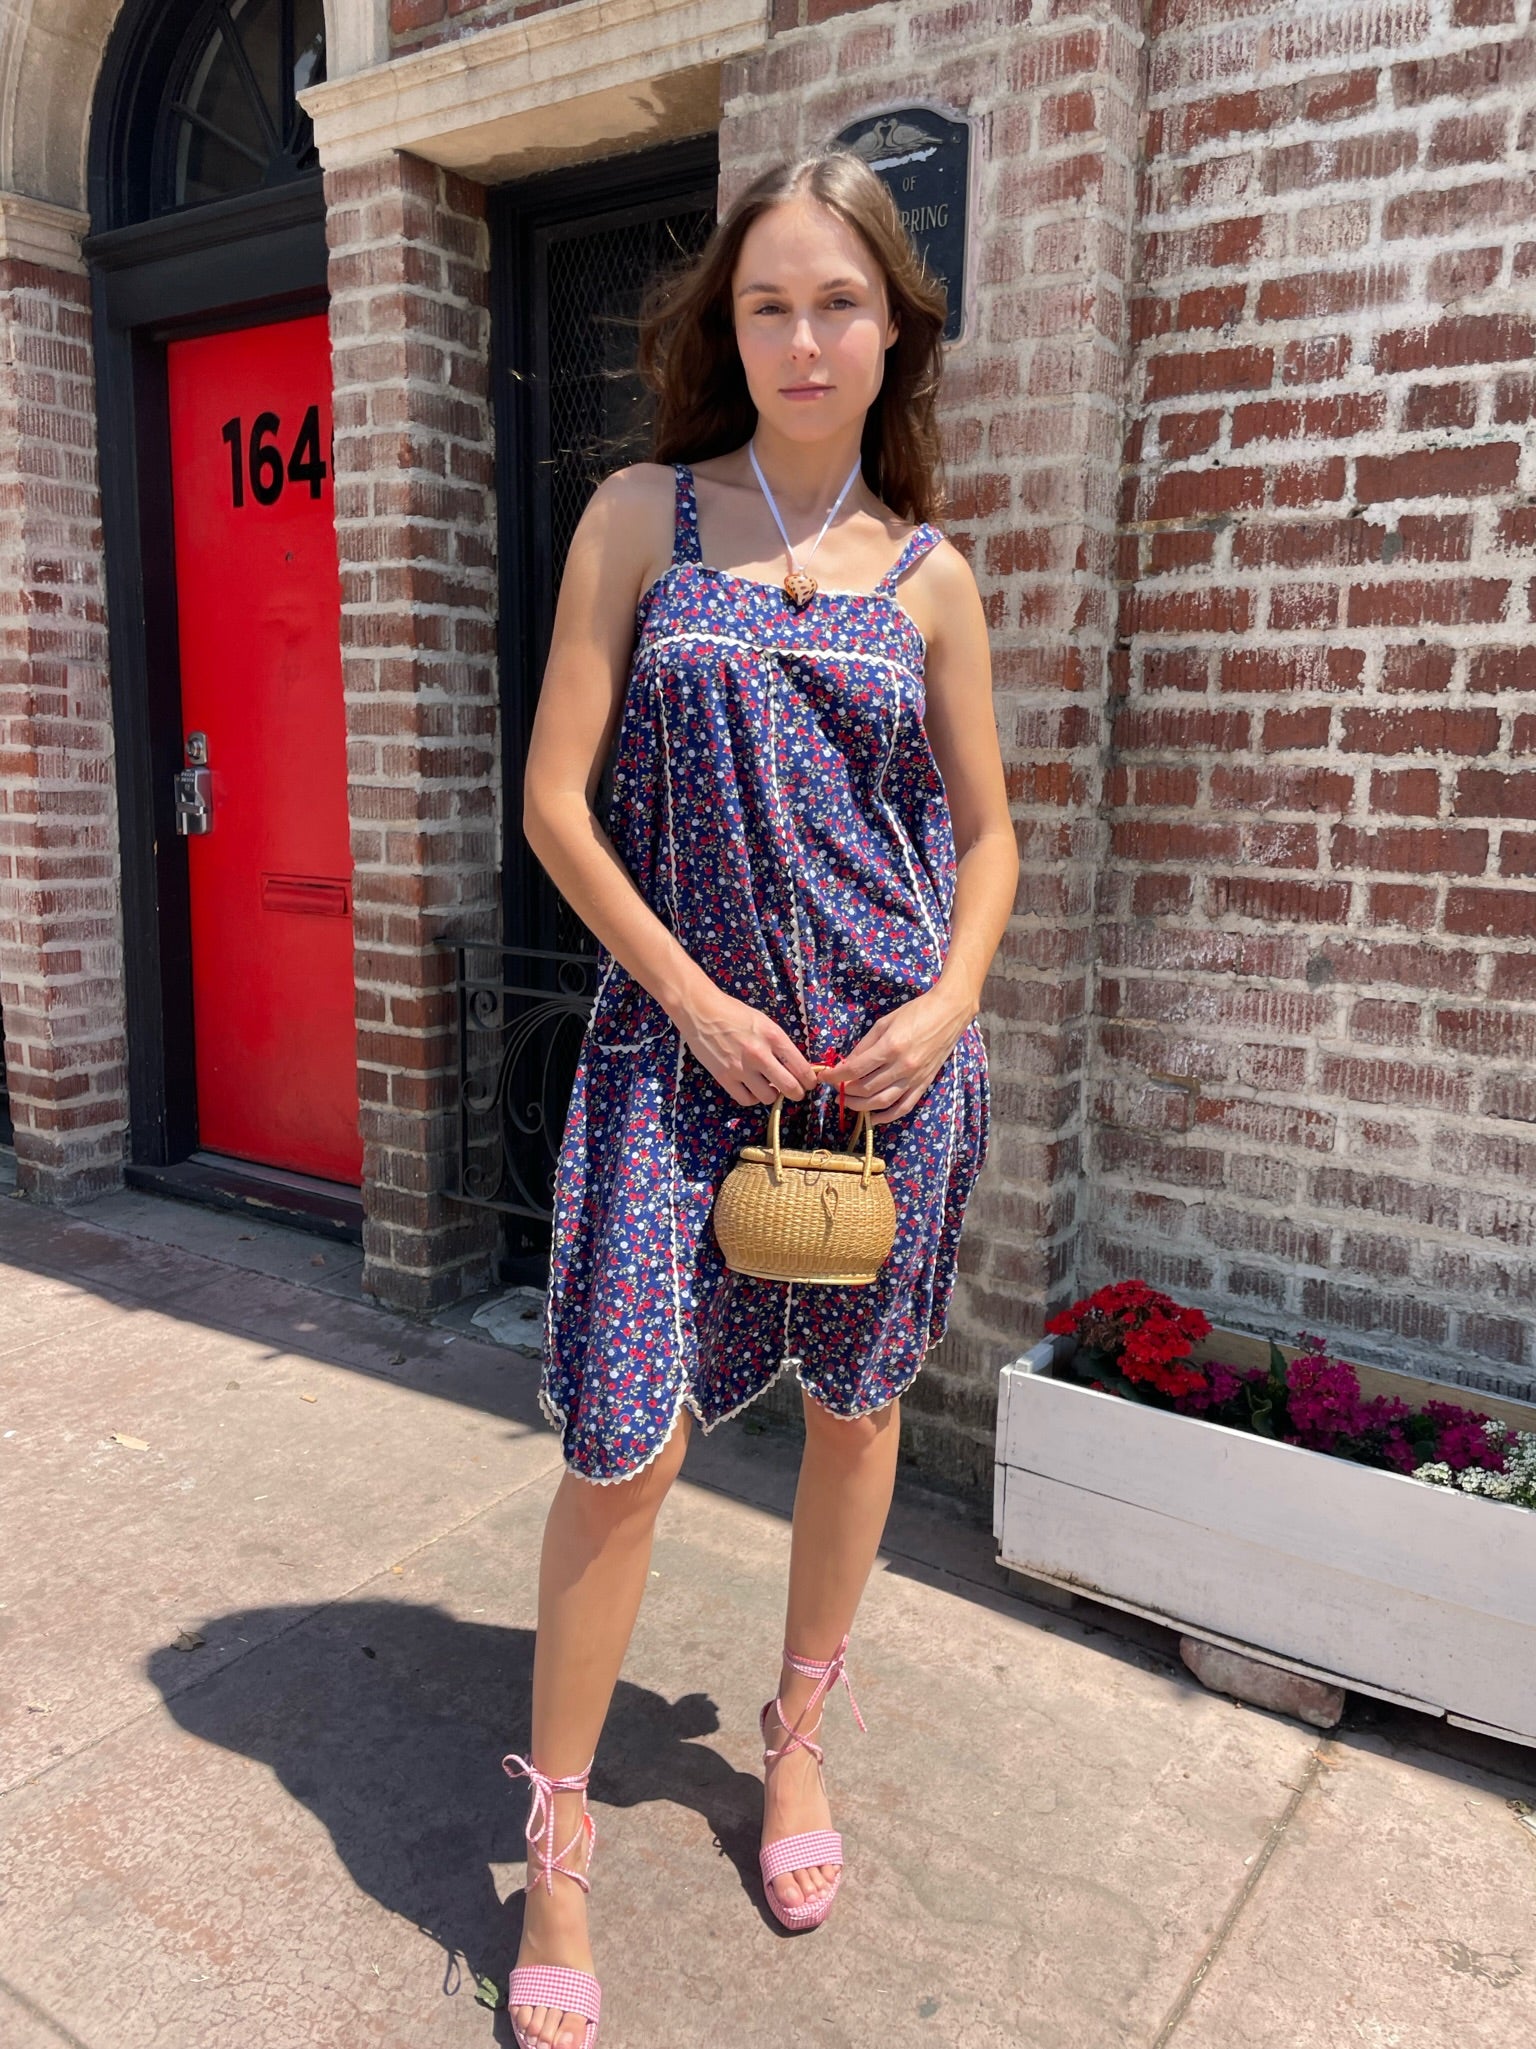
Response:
column 570, row 2036
column 788, row 1887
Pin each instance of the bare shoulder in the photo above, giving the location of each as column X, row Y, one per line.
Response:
column 628, row 523
column 941, row 594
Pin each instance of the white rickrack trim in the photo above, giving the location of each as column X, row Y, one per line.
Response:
column 903, row 847
column 763, row 647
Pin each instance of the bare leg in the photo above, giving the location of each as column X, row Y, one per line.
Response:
column 592, row 1573
column 847, row 1475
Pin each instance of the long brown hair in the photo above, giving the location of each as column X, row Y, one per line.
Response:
column 689, row 359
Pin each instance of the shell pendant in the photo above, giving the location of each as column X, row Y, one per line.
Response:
column 800, row 587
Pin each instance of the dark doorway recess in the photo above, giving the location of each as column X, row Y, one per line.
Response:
column 572, row 254
column 6, row 1133
column 207, row 214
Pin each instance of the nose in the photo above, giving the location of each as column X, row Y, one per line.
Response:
column 802, row 338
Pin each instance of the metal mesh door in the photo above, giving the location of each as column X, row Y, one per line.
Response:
column 574, row 256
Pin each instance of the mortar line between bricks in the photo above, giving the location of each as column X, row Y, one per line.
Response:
column 1244, row 1894
column 267, row 1642
column 40, row 2014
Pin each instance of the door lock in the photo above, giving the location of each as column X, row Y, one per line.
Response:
column 194, row 789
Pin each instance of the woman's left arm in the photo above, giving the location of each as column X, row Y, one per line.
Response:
column 894, row 1064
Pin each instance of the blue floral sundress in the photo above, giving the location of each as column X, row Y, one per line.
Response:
column 776, row 801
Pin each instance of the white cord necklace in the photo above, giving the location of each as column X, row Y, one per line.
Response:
column 799, row 584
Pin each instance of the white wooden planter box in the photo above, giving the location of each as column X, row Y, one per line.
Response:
column 1370, row 1579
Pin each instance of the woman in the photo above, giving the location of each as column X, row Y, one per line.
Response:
column 799, row 883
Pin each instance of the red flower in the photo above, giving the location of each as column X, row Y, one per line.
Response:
column 1148, row 1335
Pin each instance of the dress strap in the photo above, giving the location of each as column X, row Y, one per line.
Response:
column 918, row 543
column 685, row 536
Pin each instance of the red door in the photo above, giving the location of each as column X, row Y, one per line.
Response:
column 258, row 604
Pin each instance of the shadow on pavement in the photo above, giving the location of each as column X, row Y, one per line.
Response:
column 388, row 1722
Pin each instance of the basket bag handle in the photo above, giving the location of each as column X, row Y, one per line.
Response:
column 861, row 1119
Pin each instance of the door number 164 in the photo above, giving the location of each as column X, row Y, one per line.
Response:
column 261, row 460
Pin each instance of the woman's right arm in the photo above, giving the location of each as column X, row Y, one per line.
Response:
column 624, row 532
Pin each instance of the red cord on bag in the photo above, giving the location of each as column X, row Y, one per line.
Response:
column 831, row 1060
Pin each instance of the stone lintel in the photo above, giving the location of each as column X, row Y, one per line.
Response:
column 35, row 231
column 595, row 76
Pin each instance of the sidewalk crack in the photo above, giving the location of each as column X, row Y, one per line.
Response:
column 1245, row 1892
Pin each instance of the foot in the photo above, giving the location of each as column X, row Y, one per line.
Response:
column 794, row 1803
column 555, row 1932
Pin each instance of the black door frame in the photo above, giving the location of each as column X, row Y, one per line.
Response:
column 603, row 193
column 234, row 263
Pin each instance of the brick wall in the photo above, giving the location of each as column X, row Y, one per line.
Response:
column 1317, row 988
column 415, row 538
column 1032, row 411
column 60, row 932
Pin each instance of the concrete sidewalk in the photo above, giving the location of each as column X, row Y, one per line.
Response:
column 258, row 1675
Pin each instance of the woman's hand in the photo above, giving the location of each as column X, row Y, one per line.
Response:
column 894, row 1065
column 751, row 1057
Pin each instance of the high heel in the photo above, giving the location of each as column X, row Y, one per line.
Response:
column 554, row 1985
column 816, row 1846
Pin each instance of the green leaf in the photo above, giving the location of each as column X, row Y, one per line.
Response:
column 488, row 1993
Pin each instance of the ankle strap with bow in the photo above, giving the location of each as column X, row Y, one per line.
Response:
column 827, row 1673
column 541, row 1820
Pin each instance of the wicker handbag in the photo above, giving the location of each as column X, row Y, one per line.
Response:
column 824, row 1218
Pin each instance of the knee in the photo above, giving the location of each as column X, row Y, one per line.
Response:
column 850, row 1438
column 630, row 1505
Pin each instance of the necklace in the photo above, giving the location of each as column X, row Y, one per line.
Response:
column 799, row 584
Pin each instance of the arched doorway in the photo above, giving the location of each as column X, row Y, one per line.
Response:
column 209, row 267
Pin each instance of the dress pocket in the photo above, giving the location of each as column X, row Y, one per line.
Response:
column 625, row 1016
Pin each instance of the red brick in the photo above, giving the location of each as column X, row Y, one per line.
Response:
column 1196, row 494
column 1469, row 338
column 1308, row 727
column 1492, row 913
column 1502, row 668
column 1431, row 731
column 1245, row 787
column 1190, row 611
column 1318, row 359
column 1303, row 668
column 1452, row 601
column 1488, row 1034
column 1406, row 792
column 1316, row 483
column 1398, row 1082
column 1190, row 374
column 1175, row 668
column 1272, row 898
column 1317, row 295
column 1410, row 850
column 1401, row 903
column 1437, row 472
column 1489, row 793
column 1479, row 137
column 1445, row 406
column 1419, row 669
column 1302, row 607
column 1376, row 1020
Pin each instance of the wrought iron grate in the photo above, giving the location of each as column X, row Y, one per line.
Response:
column 522, row 1012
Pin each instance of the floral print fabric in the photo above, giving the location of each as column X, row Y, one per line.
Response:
column 776, row 801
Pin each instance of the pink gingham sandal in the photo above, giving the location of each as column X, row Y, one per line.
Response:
column 553, row 1985
column 816, row 1846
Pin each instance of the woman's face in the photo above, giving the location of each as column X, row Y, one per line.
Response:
column 812, row 320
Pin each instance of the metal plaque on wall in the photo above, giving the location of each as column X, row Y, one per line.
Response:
column 924, row 158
